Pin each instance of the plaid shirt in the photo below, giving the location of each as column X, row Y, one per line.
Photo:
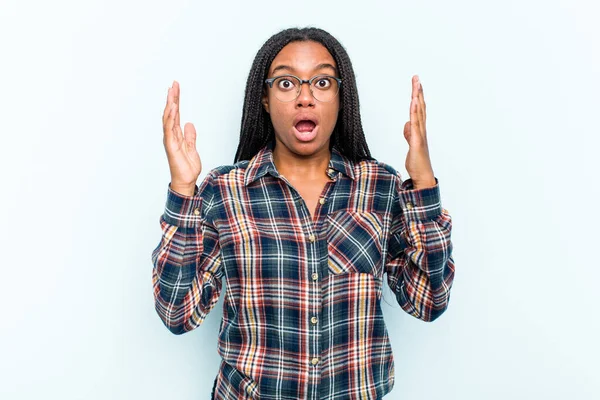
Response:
column 302, row 317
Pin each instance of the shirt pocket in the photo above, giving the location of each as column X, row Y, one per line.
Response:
column 354, row 242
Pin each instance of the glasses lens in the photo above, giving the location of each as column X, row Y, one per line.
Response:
column 286, row 88
column 324, row 88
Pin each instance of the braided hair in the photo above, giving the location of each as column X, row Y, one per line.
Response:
column 257, row 129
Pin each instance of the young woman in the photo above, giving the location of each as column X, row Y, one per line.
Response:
column 302, row 227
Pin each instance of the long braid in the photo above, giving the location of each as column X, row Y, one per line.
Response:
column 256, row 127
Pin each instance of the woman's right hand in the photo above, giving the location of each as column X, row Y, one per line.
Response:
column 184, row 160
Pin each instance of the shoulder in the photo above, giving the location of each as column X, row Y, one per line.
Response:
column 227, row 171
column 221, row 176
column 374, row 167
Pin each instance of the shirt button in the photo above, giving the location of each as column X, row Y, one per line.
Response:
column 314, row 361
column 315, row 276
column 322, row 200
column 312, row 238
column 331, row 170
column 314, row 320
column 197, row 211
column 409, row 205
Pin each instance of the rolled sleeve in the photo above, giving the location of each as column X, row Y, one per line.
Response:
column 183, row 211
column 420, row 204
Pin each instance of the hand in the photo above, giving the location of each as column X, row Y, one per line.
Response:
column 184, row 160
column 418, row 164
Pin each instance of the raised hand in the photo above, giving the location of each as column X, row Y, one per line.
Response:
column 418, row 163
column 184, row 160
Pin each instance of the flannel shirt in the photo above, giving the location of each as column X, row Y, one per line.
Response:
column 302, row 317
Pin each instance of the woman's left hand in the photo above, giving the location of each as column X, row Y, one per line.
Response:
column 418, row 164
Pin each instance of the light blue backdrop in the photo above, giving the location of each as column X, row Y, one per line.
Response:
column 512, row 99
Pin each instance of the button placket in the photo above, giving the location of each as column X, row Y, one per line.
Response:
column 314, row 238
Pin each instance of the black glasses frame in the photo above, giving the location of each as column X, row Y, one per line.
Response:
column 269, row 81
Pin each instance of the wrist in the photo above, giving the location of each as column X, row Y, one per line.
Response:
column 185, row 190
column 423, row 184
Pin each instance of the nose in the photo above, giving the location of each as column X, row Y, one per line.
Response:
column 305, row 97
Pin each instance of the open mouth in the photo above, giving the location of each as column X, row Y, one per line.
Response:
column 305, row 130
column 305, row 126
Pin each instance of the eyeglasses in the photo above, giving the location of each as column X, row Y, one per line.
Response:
column 287, row 88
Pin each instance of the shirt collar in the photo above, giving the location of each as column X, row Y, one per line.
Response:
column 262, row 163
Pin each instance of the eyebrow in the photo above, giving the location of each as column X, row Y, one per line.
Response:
column 320, row 66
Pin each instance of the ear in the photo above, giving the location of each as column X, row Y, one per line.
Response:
column 265, row 101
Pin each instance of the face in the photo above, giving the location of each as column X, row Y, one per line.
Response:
column 290, row 119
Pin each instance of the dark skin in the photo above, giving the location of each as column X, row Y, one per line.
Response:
column 302, row 163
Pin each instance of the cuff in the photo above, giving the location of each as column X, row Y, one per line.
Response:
column 420, row 204
column 183, row 211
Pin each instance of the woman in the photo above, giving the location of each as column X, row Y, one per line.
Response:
column 302, row 226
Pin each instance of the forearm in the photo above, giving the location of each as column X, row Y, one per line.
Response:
column 420, row 266
column 186, row 273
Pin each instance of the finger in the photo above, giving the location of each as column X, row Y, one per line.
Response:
column 415, row 99
column 167, row 107
column 176, row 127
column 422, row 109
column 170, row 95
column 176, row 95
column 421, row 95
column 416, row 127
column 414, row 117
column 415, row 87
column 170, row 122
column 423, row 105
column 175, row 91
column 190, row 135
column 407, row 131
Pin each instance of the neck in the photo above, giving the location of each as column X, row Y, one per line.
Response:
column 304, row 167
